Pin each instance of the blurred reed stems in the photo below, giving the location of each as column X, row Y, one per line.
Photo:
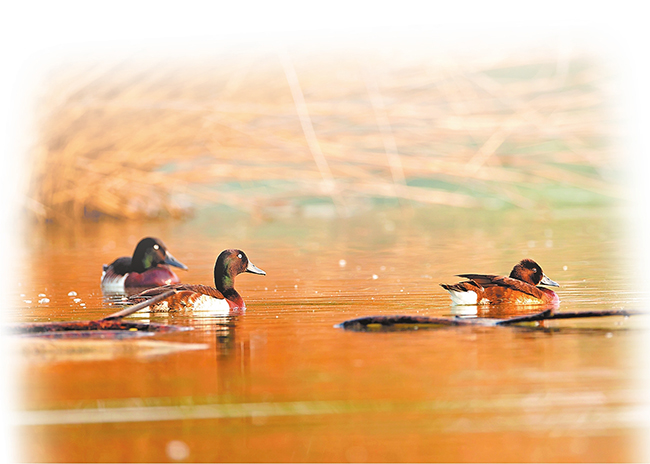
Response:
column 268, row 132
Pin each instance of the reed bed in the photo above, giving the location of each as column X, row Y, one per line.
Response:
column 276, row 133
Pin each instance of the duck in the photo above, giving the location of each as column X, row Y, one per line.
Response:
column 148, row 267
column 520, row 287
column 222, row 299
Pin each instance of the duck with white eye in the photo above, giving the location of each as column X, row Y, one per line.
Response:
column 220, row 300
column 148, row 267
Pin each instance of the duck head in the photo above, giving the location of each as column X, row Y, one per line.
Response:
column 530, row 272
column 150, row 253
column 231, row 263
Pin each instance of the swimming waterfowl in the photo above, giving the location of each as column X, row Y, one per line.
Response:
column 222, row 299
column 146, row 268
column 518, row 288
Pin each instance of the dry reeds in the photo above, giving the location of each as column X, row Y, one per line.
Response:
column 140, row 140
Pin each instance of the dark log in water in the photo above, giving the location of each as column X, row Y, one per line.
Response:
column 404, row 322
column 42, row 328
column 110, row 327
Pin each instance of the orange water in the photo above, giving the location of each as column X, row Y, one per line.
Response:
column 280, row 383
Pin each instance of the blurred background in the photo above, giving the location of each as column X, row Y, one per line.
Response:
column 304, row 130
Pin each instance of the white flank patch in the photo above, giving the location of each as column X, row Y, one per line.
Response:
column 115, row 284
column 213, row 305
column 463, row 298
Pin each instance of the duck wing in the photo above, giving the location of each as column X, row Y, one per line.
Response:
column 486, row 281
column 180, row 288
column 120, row 266
column 467, row 286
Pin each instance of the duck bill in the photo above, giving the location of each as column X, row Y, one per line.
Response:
column 546, row 281
column 254, row 269
column 169, row 259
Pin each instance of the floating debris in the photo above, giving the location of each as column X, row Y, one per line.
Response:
column 106, row 329
column 404, row 322
column 111, row 326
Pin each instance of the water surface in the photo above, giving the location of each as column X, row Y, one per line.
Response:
column 280, row 383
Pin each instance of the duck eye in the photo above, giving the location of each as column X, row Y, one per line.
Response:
column 239, row 255
column 155, row 247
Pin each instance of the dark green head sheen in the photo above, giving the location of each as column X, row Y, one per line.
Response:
column 229, row 264
column 151, row 252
